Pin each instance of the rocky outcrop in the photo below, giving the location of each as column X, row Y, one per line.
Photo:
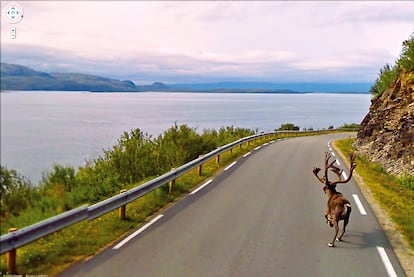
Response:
column 387, row 131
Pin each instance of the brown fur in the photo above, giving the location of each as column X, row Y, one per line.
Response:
column 338, row 207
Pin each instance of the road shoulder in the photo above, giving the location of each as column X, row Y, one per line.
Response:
column 396, row 239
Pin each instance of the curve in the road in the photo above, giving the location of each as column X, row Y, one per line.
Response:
column 262, row 216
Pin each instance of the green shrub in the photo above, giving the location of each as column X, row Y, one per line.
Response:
column 406, row 181
column 135, row 157
column 389, row 73
column 385, row 80
column 406, row 60
column 350, row 126
column 288, row 127
column 17, row 193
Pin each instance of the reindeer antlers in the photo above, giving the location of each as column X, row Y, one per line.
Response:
column 334, row 169
column 315, row 172
column 352, row 158
column 351, row 170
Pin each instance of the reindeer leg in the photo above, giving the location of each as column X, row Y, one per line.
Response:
column 328, row 220
column 343, row 231
column 346, row 220
column 332, row 244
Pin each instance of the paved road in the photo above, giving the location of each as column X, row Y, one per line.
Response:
column 261, row 217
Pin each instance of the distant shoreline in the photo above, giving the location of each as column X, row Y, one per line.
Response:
column 22, row 78
column 235, row 91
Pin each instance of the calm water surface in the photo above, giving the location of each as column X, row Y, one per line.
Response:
column 42, row 128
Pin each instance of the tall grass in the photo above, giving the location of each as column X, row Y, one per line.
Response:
column 395, row 194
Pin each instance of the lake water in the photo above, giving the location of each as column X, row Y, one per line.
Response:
column 42, row 128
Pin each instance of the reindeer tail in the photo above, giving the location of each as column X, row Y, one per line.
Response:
column 348, row 210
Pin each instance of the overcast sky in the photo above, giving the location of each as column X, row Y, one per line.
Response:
column 202, row 41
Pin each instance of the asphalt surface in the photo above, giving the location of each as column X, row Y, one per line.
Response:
column 263, row 216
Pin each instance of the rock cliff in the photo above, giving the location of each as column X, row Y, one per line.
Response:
column 387, row 131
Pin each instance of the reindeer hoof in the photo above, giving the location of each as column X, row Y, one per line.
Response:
column 338, row 239
column 331, row 244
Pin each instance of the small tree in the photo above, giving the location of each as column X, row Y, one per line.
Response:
column 389, row 73
column 288, row 127
column 384, row 80
column 406, row 60
column 350, row 126
column 17, row 193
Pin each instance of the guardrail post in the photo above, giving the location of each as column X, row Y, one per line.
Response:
column 218, row 159
column 121, row 210
column 11, row 258
column 200, row 167
column 171, row 183
column 231, row 151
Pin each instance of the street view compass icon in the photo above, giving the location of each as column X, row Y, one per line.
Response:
column 14, row 13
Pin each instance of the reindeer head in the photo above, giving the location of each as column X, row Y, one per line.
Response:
column 331, row 185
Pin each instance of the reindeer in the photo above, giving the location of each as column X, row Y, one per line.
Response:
column 338, row 207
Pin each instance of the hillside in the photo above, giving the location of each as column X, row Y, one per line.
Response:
column 277, row 87
column 18, row 77
column 387, row 131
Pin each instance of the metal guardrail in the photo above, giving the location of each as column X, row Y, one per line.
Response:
column 43, row 228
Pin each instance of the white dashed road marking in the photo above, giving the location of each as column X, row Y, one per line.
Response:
column 201, row 187
column 232, row 164
column 137, row 232
column 359, row 204
column 386, row 261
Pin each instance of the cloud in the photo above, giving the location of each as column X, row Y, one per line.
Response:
column 174, row 67
column 209, row 41
column 381, row 12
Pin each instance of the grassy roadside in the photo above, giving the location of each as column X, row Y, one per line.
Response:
column 56, row 252
column 392, row 199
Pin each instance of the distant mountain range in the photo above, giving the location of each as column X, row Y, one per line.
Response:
column 18, row 77
column 278, row 87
